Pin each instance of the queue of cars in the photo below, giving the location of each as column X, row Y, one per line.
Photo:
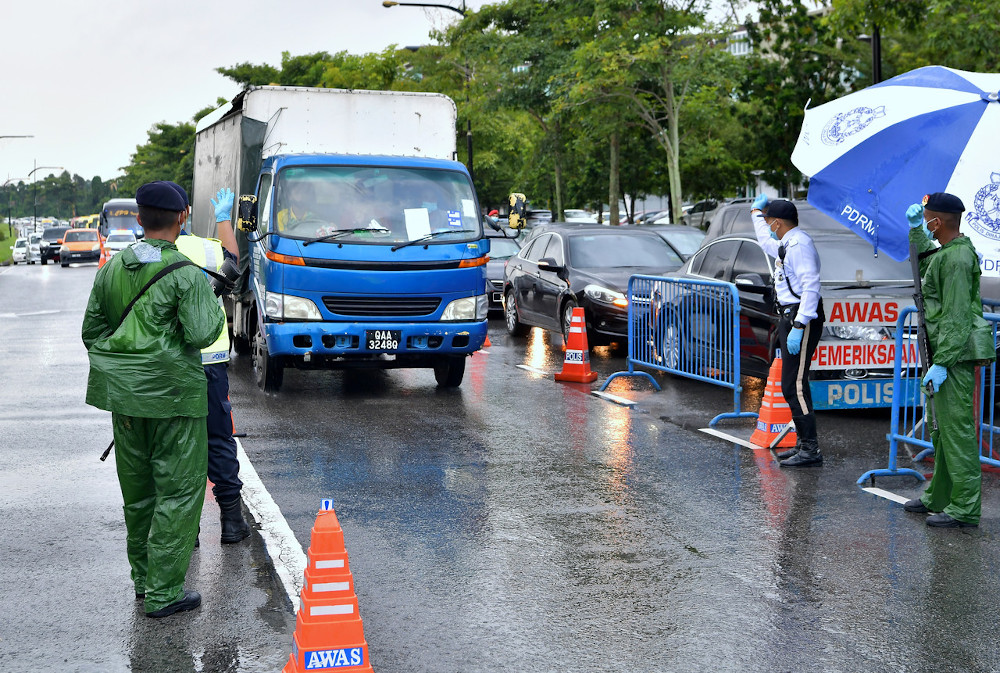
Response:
column 68, row 245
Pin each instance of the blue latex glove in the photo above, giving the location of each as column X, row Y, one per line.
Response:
column 224, row 205
column 794, row 341
column 915, row 215
column 934, row 377
column 760, row 202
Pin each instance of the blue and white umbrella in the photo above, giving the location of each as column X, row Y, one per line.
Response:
column 871, row 154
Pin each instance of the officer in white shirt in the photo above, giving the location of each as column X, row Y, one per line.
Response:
column 796, row 286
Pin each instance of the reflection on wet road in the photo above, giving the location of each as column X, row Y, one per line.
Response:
column 518, row 524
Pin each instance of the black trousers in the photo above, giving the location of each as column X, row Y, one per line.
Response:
column 223, row 466
column 795, row 371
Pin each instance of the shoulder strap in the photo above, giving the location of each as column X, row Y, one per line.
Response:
column 159, row 274
column 781, row 256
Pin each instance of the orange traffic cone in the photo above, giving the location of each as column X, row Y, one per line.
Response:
column 487, row 344
column 576, row 362
column 328, row 629
column 774, row 414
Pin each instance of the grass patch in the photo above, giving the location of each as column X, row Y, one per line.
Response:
column 7, row 244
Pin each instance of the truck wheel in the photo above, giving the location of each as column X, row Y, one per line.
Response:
column 268, row 370
column 449, row 371
column 45, row 260
column 241, row 345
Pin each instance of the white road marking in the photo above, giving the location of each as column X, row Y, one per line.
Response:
column 734, row 440
column 29, row 313
column 534, row 370
column 888, row 495
column 285, row 551
column 613, row 398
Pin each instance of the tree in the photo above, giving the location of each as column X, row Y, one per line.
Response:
column 168, row 155
column 797, row 60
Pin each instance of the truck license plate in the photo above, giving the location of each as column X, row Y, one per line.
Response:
column 383, row 339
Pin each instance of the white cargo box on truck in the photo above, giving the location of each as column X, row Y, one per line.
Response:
column 268, row 120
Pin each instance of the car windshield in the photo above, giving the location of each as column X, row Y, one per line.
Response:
column 503, row 248
column 847, row 260
column 80, row 236
column 619, row 250
column 20, row 243
column 54, row 234
column 120, row 238
column 376, row 205
column 686, row 242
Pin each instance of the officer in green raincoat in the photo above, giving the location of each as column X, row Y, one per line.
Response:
column 146, row 369
column 960, row 339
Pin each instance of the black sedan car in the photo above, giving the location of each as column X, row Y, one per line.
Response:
column 587, row 266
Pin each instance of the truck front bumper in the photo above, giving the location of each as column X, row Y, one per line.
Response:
column 320, row 341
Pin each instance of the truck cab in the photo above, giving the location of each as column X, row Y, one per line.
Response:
column 370, row 262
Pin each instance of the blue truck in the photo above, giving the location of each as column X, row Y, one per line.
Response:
column 364, row 244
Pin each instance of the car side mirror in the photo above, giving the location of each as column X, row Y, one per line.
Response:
column 751, row 282
column 484, row 245
column 548, row 264
column 246, row 219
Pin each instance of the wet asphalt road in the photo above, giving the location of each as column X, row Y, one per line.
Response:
column 518, row 524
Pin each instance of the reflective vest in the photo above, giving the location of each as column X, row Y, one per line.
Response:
column 207, row 253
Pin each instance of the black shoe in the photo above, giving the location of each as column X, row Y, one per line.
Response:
column 916, row 506
column 234, row 526
column 942, row 520
column 787, row 453
column 190, row 601
column 803, row 459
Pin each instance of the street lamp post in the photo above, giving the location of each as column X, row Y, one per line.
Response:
column 388, row 4
column 876, row 41
column 34, row 192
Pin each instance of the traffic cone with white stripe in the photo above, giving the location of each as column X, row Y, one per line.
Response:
column 576, row 361
column 328, row 629
column 775, row 415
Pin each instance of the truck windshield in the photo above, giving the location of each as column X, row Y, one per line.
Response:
column 376, row 205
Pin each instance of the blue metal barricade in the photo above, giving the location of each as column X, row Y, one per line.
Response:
column 908, row 427
column 685, row 327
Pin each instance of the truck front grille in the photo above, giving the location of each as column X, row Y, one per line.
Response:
column 389, row 307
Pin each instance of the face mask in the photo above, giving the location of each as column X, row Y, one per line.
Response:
column 928, row 232
column 774, row 234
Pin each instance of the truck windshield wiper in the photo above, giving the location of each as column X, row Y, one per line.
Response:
column 433, row 234
column 336, row 234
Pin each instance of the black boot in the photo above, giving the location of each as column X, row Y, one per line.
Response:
column 808, row 453
column 787, row 453
column 234, row 526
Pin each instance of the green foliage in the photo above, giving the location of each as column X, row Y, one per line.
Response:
column 797, row 60
column 167, row 155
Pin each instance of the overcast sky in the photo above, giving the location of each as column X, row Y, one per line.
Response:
column 89, row 78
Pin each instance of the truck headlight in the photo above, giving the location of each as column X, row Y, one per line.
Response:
column 467, row 308
column 96, row 248
column 289, row 307
column 606, row 296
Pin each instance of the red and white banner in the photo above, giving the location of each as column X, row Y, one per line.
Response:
column 867, row 312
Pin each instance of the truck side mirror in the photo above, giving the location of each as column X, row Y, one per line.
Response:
column 246, row 218
column 516, row 212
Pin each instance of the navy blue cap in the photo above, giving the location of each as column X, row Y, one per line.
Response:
column 180, row 190
column 782, row 209
column 943, row 202
column 160, row 194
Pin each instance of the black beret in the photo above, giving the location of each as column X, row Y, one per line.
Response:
column 784, row 210
column 943, row 202
column 180, row 190
column 160, row 194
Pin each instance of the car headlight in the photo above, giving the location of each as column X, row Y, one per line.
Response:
column 859, row 333
column 289, row 307
column 467, row 308
column 606, row 296
column 96, row 248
